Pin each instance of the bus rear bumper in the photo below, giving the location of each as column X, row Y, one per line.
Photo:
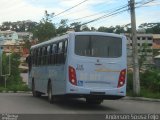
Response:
column 104, row 97
column 115, row 93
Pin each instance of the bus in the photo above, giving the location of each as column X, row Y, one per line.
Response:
column 90, row 65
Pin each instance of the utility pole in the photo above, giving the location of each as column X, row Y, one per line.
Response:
column 136, row 80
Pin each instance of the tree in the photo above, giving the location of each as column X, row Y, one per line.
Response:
column 27, row 44
column 14, row 77
column 105, row 29
column 93, row 29
column 119, row 29
column 76, row 26
column 45, row 29
column 19, row 26
column 153, row 28
column 6, row 26
column 63, row 27
column 85, row 28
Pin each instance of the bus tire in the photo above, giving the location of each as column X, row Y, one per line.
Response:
column 95, row 101
column 34, row 92
column 51, row 98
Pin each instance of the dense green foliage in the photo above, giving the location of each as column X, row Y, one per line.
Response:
column 151, row 27
column 14, row 80
column 150, row 79
column 44, row 31
column 149, row 82
column 19, row 26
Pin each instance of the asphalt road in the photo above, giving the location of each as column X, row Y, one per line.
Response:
column 24, row 103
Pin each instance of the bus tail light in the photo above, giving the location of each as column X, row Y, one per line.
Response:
column 122, row 78
column 72, row 76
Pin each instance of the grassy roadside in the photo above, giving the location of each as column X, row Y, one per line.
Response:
column 15, row 88
column 150, row 84
column 145, row 93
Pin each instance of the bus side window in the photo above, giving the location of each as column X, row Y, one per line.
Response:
column 66, row 45
column 36, row 57
column 65, row 50
column 43, row 56
column 32, row 55
column 29, row 60
column 40, row 56
column 56, row 53
column 53, row 52
column 60, row 53
column 48, row 55
column 37, row 60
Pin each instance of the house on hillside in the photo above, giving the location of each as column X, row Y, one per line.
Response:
column 9, row 35
column 22, row 36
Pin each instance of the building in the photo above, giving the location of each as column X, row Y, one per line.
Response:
column 12, row 47
column 156, row 41
column 12, row 41
column 144, row 43
column 24, row 36
column 8, row 35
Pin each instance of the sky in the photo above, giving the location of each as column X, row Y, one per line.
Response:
column 18, row 10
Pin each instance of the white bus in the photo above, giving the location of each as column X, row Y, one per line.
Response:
column 90, row 65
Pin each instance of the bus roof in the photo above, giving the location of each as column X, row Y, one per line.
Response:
column 75, row 33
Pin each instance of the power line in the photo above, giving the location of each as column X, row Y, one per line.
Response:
column 70, row 8
column 115, row 12
column 104, row 17
column 97, row 13
column 144, row 3
column 93, row 14
column 112, row 13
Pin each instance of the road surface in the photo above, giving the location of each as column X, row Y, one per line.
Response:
column 24, row 103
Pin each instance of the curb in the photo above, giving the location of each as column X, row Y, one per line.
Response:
column 141, row 99
column 27, row 92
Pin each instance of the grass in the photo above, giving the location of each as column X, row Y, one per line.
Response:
column 145, row 93
column 149, row 94
column 15, row 88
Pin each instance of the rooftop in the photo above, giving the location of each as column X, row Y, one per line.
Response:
column 7, row 32
column 156, row 36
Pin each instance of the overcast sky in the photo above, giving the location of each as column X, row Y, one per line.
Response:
column 18, row 10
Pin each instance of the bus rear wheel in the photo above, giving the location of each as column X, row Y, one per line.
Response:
column 94, row 101
column 51, row 98
column 34, row 92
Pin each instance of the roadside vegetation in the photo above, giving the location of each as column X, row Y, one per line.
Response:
column 13, row 81
column 149, row 82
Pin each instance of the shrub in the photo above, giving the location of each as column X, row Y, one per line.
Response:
column 149, row 83
column 150, row 79
column 18, row 87
column 130, row 81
